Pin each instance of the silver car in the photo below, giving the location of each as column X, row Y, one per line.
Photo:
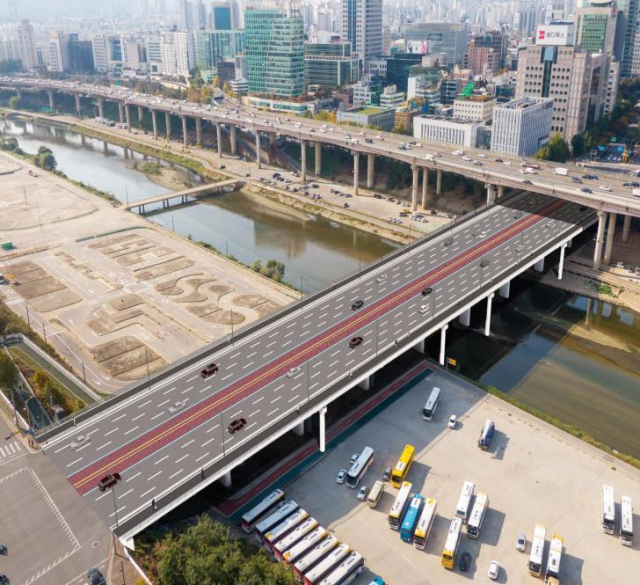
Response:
column 80, row 441
column 176, row 407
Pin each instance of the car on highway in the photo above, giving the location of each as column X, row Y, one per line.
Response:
column 448, row 242
column 527, row 182
column 380, row 279
column 236, row 425
column 355, row 342
column 586, row 190
column 177, row 406
column 109, row 481
column 465, row 561
column 521, row 542
column 426, row 291
column 357, row 305
column 477, row 163
column 484, row 263
column 453, row 421
column 362, row 492
column 342, row 475
column 209, row 370
column 605, row 188
column 293, row 372
column 79, row 441
column 499, row 160
column 576, row 179
column 95, row 577
column 494, row 570
column 466, row 158
column 354, row 458
column 590, row 177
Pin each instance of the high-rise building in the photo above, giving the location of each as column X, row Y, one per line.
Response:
column 154, row 54
column 58, row 55
column 185, row 53
column 100, row 52
column 330, row 65
column 486, row 53
column 438, row 38
column 27, row 41
column 222, row 16
column 274, row 40
column 627, row 34
column 214, row 46
column 596, row 26
column 80, row 55
column 362, row 27
column 522, row 126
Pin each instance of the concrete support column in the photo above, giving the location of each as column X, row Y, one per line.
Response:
column 258, row 157
column 491, row 194
column 303, row 159
column 611, row 232
column 225, row 480
column 78, row 104
column 101, row 107
column 299, row 429
column 219, row 138
column 52, row 103
column 487, row 322
column 140, row 116
column 561, row 263
column 366, row 383
column 322, row 414
column 19, row 93
column 414, row 188
column 233, row 133
column 439, row 182
column 419, row 347
column 318, row 149
column 371, row 163
column 597, row 256
column 626, row 228
column 120, row 113
column 505, row 290
column 167, row 122
column 127, row 113
column 198, row 131
column 465, row 318
column 356, row 173
column 539, row 265
column 185, row 139
column 443, row 343
column 154, row 121
column 500, row 191
column 425, row 188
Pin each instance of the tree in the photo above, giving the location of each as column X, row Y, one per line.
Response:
column 45, row 159
column 8, row 371
column 10, row 144
column 555, row 150
column 578, row 145
column 14, row 102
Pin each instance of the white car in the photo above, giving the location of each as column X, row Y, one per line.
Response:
column 453, row 421
column 605, row 188
column 354, row 458
column 342, row 475
column 293, row 372
column 521, row 542
column 362, row 492
column 494, row 570
column 482, row 155
column 176, row 407
column 467, row 158
column 80, row 441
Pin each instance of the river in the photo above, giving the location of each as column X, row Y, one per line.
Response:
column 571, row 357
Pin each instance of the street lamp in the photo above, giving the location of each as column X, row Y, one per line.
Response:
column 115, row 506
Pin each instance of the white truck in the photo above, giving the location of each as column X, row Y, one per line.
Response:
column 561, row 171
column 636, row 192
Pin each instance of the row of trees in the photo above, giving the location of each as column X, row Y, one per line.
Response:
column 272, row 269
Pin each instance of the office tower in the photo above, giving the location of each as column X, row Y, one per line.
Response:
column 27, row 41
column 330, row 65
column 58, row 52
column 628, row 25
column 362, row 27
column 438, row 38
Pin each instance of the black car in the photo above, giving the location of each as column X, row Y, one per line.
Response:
column 527, row 182
column 484, row 263
column 355, row 342
column 95, row 577
column 357, row 305
column 586, row 190
column 209, row 370
column 448, row 242
column 576, row 179
column 236, row 425
column 108, row 481
column 427, row 291
column 465, row 561
column 499, row 160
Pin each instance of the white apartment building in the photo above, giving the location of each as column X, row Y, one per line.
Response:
column 521, row 126
column 477, row 108
column 168, row 57
column 100, row 52
column 58, row 52
column 449, row 131
column 27, row 42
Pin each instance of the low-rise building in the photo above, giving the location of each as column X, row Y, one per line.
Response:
column 475, row 107
column 450, row 131
column 366, row 92
column 369, row 116
column 391, row 97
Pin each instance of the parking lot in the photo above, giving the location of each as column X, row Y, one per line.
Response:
column 532, row 474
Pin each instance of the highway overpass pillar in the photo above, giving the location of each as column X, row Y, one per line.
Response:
column 539, row 265
column 561, row 263
column 366, row 383
column 120, row 113
column 19, row 93
column 225, row 480
column 78, row 105
column 443, row 343
column 219, row 138
column 185, row 139
column 167, row 122
column 491, row 194
column 611, row 232
column 439, row 182
column 419, row 347
column 322, row 414
column 303, row 159
column 101, row 107
column 356, row 172
column 500, row 191
column 140, row 116
column 505, row 290
column 233, row 133
column 52, row 104
column 318, row 149
column 371, row 167
column 258, row 157
column 299, row 429
column 198, row 131
column 626, row 228
column 597, row 256
column 487, row 322
column 465, row 318
column 414, row 188
column 127, row 112
column 425, row 188
column 154, row 120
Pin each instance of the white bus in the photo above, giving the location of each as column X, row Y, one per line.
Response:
column 281, row 530
column 326, row 565
column 296, row 552
column 314, row 556
column 294, row 537
column 537, row 550
column 271, row 521
column 424, row 524
column 347, row 572
column 448, row 560
column 400, row 505
column 626, row 524
column 252, row 517
column 432, row 404
column 477, row 515
column 464, row 501
column 608, row 509
column 552, row 574
column 375, row 494
column 359, row 468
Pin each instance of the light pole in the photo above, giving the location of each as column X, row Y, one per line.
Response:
column 115, row 506
column 231, row 326
column 146, row 355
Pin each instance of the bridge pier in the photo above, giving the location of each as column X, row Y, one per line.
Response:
column 366, row 383
column 299, row 429
column 419, row 347
column 303, row 159
column 225, row 480
column 322, row 437
column 597, row 256
column 52, row 104
column 414, row 188
column 443, row 343
column 258, row 155
column 140, row 116
column 561, row 263
column 356, row 173
column 127, row 112
column 500, row 191
column 101, row 107
column 611, row 232
column 185, row 137
column 78, row 105
column 167, row 123
column 487, row 322
column 425, row 187
column 120, row 113
column 439, row 182
column 491, row 194
column 539, row 265
column 219, row 138
column 626, row 228
column 465, row 318
column 198, row 131
column 19, row 93
column 371, row 163
column 505, row 290
column 154, row 121
column 318, row 153
column 233, row 132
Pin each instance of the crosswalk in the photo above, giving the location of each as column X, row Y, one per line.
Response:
column 13, row 301
column 8, row 450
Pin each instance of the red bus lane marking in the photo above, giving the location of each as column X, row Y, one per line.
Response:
column 157, row 438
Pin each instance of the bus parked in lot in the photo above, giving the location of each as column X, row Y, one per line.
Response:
column 294, row 537
column 347, row 572
column 411, row 518
column 448, row 560
column 302, row 547
column 375, row 494
column 431, row 405
column 486, row 434
column 327, row 565
column 552, row 574
column 314, row 556
column 252, row 517
column 400, row 471
column 424, row 524
column 281, row 530
column 626, row 523
column 359, row 468
column 608, row 509
column 537, row 550
column 477, row 515
column 399, row 505
column 464, row 501
column 271, row 521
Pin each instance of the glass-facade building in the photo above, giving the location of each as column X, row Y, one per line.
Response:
column 217, row 45
column 275, row 53
column 330, row 65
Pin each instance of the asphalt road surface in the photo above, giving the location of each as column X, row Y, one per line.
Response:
column 272, row 372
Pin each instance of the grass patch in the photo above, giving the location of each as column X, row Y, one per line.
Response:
column 149, row 168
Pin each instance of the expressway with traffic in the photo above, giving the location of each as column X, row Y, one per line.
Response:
column 187, row 423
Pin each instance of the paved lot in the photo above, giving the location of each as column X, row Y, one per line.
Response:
column 532, row 474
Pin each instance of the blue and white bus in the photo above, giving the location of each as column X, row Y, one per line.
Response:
column 252, row 517
column 486, row 434
column 271, row 521
column 411, row 518
column 359, row 468
column 347, row 572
